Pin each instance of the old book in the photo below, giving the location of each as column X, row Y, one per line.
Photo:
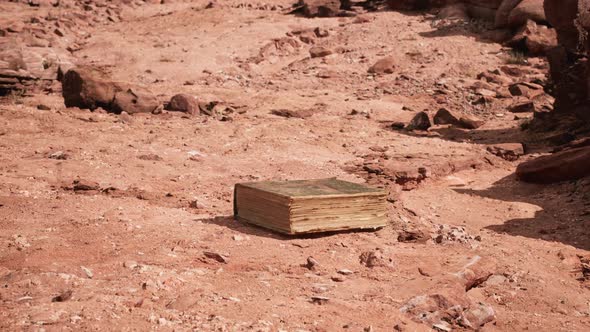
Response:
column 309, row 206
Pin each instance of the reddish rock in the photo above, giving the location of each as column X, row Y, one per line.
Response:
column 522, row 107
column 184, row 103
column 507, row 151
column 85, row 185
column 421, row 121
column 534, row 39
column 471, row 122
column 383, row 66
column 444, row 116
column 528, row 90
column 561, row 166
column 319, row 51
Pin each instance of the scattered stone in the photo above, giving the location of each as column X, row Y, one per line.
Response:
column 477, row 316
column 319, row 8
column 345, row 272
column 312, row 264
column 216, row 256
column 321, row 33
column 150, row 157
column 20, row 242
column 374, row 259
column 196, row 204
column 528, row 90
column 319, row 299
column 495, row 280
column 62, row 297
column 87, row 272
column 338, row 278
column 507, row 151
column 130, row 264
column 319, row 52
column 85, row 185
column 43, row 107
column 299, row 114
column 421, row 121
column 412, row 236
column 476, row 272
column 448, row 234
column 566, row 165
column 486, row 93
column 425, row 271
column 59, row 155
column 184, row 103
column 522, row 107
column 384, row 66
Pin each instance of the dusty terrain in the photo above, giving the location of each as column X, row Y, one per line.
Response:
column 129, row 254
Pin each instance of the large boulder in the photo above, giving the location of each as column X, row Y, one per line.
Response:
column 561, row 166
column 527, row 10
column 86, row 87
column 90, row 88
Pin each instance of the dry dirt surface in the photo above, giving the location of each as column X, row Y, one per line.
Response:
column 124, row 222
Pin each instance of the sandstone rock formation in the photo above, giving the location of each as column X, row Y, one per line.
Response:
column 90, row 88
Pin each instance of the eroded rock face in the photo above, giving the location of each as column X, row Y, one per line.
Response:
column 568, row 62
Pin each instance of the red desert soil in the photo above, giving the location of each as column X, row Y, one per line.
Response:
column 134, row 251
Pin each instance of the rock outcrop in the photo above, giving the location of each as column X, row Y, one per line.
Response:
column 569, row 164
column 568, row 62
column 90, row 88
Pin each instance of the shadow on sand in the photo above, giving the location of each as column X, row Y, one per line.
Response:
column 564, row 216
column 254, row 230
